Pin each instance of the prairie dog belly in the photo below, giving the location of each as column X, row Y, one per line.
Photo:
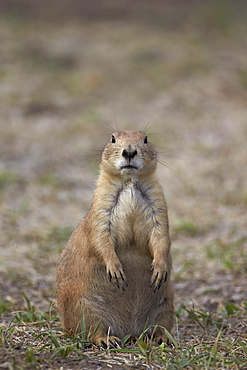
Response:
column 131, row 222
column 133, row 309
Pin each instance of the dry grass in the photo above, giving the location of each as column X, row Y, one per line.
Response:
column 203, row 339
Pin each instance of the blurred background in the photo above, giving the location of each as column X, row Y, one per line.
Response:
column 71, row 70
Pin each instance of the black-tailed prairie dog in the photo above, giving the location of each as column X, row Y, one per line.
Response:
column 115, row 270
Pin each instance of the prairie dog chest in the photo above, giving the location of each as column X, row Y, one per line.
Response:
column 132, row 215
column 130, row 199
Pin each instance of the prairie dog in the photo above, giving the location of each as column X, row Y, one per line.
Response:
column 115, row 269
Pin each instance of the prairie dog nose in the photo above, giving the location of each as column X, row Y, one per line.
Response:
column 129, row 154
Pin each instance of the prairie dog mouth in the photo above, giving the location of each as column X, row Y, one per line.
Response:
column 128, row 167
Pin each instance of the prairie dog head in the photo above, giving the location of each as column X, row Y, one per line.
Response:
column 129, row 154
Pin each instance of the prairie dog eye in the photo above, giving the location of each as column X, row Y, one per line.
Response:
column 113, row 139
column 145, row 140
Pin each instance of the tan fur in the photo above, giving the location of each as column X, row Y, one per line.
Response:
column 125, row 238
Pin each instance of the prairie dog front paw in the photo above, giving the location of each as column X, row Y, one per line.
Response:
column 116, row 274
column 159, row 275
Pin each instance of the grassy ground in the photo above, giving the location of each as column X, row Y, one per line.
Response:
column 62, row 76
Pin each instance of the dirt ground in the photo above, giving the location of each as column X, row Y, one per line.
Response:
column 66, row 75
